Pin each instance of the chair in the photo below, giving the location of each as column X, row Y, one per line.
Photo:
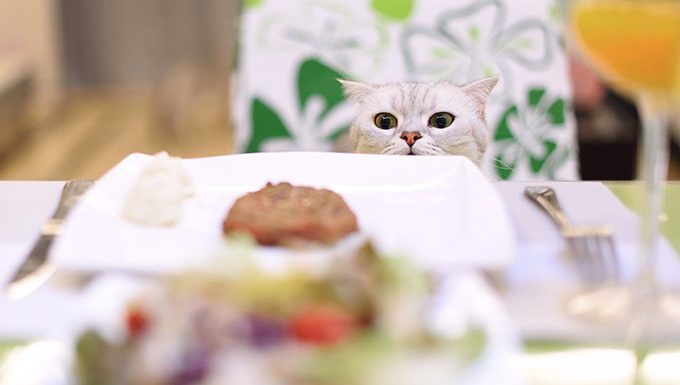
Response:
column 291, row 53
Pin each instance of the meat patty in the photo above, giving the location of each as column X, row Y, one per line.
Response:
column 282, row 214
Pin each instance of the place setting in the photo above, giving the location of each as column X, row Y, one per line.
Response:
column 334, row 192
column 105, row 258
column 111, row 252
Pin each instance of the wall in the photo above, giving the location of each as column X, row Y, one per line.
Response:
column 29, row 34
column 132, row 43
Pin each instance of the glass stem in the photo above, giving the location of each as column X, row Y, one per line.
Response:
column 653, row 171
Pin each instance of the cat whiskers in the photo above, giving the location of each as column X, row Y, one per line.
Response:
column 500, row 165
column 392, row 149
column 431, row 149
column 387, row 150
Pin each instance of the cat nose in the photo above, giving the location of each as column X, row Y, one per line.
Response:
column 411, row 137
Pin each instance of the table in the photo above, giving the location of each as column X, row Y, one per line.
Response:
column 25, row 205
column 629, row 193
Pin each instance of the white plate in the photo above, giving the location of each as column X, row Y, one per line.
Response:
column 441, row 211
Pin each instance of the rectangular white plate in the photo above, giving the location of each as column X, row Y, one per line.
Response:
column 440, row 211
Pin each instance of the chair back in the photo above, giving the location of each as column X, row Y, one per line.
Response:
column 290, row 54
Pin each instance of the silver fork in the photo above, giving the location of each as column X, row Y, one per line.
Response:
column 592, row 247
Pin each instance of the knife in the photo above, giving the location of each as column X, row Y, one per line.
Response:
column 36, row 269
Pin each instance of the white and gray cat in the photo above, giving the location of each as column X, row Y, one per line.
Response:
column 437, row 118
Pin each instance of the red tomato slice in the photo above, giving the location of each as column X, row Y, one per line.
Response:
column 136, row 321
column 323, row 325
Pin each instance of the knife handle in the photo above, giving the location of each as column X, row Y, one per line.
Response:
column 37, row 258
column 71, row 193
column 36, row 269
column 52, row 227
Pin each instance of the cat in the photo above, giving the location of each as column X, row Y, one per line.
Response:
column 437, row 118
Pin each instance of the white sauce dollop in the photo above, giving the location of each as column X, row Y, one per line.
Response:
column 157, row 196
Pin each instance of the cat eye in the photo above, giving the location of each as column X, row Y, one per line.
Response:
column 385, row 121
column 441, row 120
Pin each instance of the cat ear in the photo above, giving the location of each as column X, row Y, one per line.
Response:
column 355, row 91
column 479, row 91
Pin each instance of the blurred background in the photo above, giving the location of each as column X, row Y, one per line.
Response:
column 83, row 83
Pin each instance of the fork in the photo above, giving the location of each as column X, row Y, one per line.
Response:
column 592, row 247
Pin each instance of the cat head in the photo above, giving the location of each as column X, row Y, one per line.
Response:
column 437, row 118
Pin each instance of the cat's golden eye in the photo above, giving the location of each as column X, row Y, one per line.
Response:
column 441, row 120
column 385, row 121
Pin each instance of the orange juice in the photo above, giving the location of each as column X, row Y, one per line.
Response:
column 633, row 43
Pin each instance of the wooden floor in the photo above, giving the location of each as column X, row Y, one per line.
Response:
column 92, row 131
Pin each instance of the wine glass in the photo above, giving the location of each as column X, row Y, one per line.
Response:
column 635, row 46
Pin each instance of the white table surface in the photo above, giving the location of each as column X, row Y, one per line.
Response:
column 533, row 283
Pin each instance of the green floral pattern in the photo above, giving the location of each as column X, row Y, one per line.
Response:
column 474, row 39
column 397, row 10
column 322, row 117
column 252, row 3
column 335, row 32
column 526, row 133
